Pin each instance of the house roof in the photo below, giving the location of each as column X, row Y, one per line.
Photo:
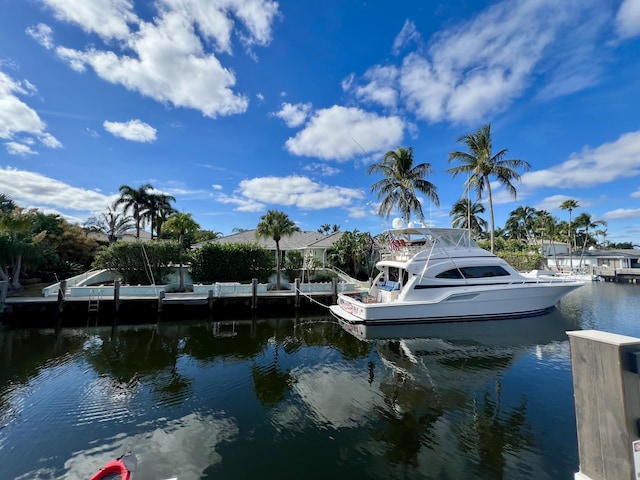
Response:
column 297, row 241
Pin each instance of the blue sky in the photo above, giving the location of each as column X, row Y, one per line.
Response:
column 239, row 106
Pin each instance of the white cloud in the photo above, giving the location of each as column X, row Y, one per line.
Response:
column 254, row 195
column 322, row 169
column 592, row 166
column 15, row 148
column 552, row 203
column 622, row 214
column 242, row 204
column 294, row 115
column 29, row 188
column 380, row 87
column 628, row 19
column 43, row 34
column 107, row 18
column 167, row 59
column 134, row 130
column 407, row 35
column 16, row 117
column 477, row 68
column 337, row 133
column 297, row 191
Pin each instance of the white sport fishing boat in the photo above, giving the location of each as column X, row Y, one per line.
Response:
column 430, row 275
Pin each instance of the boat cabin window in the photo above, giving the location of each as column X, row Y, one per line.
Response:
column 483, row 271
column 455, row 273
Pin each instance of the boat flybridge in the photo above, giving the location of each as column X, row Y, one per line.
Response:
column 429, row 275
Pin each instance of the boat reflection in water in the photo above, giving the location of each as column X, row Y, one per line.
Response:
column 450, row 382
column 478, row 345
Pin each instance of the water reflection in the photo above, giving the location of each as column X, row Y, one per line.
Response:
column 192, row 399
column 451, row 374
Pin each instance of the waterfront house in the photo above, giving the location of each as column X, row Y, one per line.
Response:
column 595, row 258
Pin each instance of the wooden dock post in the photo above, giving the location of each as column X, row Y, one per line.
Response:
column 61, row 294
column 606, row 386
column 334, row 290
column 4, row 290
column 210, row 299
column 296, row 285
column 254, row 293
column 116, row 298
column 160, row 301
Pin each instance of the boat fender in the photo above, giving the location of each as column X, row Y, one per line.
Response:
column 114, row 466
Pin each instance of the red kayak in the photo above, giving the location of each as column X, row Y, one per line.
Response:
column 118, row 469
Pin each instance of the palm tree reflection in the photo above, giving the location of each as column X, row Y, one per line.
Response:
column 492, row 434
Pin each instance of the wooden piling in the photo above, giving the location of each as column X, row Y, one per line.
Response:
column 607, row 399
column 116, row 297
column 254, row 293
column 210, row 300
column 334, row 289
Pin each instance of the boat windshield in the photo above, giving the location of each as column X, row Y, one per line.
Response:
column 442, row 237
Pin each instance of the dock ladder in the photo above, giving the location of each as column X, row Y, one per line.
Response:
column 94, row 302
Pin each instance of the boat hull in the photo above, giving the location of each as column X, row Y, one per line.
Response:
column 462, row 304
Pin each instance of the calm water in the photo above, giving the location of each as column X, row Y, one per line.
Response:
column 302, row 397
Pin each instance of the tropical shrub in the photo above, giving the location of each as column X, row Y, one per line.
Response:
column 523, row 261
column 293, row 262
column 141, row 263
column 233, row 262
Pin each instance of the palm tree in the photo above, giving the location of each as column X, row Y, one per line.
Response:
column 112, row 223
column 603, row 234
column 570, row 205
column 181, row 224
column 467, row 215
column 158, row 210
column 275, row 224
column 545, row 225
column 7, row 205
column 520, row 223
column 401, row 182
column 136, row 200
column 585, row 221
column 480, row 164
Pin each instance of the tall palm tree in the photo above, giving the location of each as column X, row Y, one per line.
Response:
column 181, row 224
column 275, row 224
column 467, row 215
column 136, row 200
column 570, row 205
column 402, row 180
column 480, row 165
column 603, row 234
column 158, row 211
column 585, row 221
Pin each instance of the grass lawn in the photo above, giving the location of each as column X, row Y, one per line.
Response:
column 31, row 290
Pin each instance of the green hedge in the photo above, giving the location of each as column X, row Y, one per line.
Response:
column 523, row 261
column 130, row 259
column 234, row 262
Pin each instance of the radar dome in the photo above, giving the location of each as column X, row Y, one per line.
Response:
column 397, row 223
